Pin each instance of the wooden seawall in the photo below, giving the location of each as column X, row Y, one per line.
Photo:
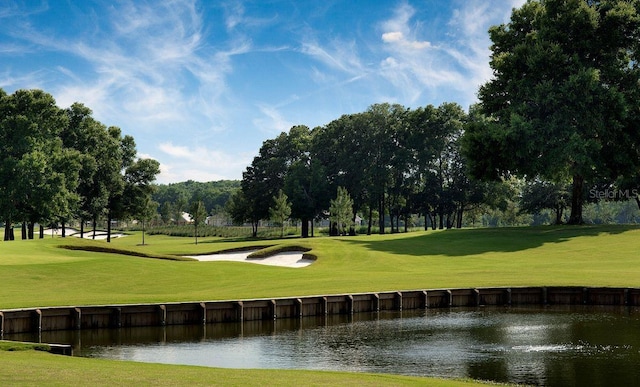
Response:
column 143, row 315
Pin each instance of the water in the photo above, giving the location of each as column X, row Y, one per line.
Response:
column 554, row 346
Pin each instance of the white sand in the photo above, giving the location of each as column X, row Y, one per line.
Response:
column 76, row 233
column 284, row 259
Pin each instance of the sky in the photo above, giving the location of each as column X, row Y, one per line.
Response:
column 201, row 84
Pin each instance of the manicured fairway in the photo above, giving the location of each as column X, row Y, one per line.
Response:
column 39, row 273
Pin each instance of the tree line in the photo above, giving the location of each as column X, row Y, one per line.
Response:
column 62, row 165
column 561, row 111
column 391, row 160
column 175, row 198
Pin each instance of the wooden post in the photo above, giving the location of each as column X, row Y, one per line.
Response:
column 240, row 306
column 38, row 320
column 163, row 315
column 299, row 307
column 203, row 307
column 78, row 318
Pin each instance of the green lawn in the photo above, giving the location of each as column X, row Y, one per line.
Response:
column 32, row 368
column 40, row 273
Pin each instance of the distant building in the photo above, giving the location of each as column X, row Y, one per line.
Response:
column 185, row 218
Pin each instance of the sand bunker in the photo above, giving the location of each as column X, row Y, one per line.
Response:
column 76, row 233
column 285, row 259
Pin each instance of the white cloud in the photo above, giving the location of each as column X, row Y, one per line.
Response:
column 390, row 37
column 337, row 55
column 199, row 163
column 273, row 121
column 397, row 37
column 459, row 62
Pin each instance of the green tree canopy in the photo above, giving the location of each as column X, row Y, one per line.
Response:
column 341, row 211
column 280, row 211
column 563, row 100
column 198, row 214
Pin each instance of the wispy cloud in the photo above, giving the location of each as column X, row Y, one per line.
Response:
column 199, row 163
column 459, row 62
column 272, row 121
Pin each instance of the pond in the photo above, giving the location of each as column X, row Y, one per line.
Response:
column 553, row 346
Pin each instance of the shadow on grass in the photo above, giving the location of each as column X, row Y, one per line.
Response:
column 249, row 239
column 462, row 242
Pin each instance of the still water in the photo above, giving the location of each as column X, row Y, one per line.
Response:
column 554, row 346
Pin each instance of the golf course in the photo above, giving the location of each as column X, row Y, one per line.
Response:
column 58, row 271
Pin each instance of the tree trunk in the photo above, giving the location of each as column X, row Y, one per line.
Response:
column 81, row 228
column 304, row 228
column 95, row 225
column 371, row 220
column 460, row 213
column 24, row 230
column 8, row 230
column 64, row 230
column 381, row 215
column 109, row 227
column 576, row 200
column 559, row 215
column 30, row 227
column 254, row 228
column 41, row 232
column 441, row 224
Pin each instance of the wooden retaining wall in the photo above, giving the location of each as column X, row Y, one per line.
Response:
column 115, row 316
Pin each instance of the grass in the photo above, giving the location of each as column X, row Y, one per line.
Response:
column 40, row 273
column 31, row 368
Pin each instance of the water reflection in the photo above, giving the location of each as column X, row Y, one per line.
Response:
column 541, row 346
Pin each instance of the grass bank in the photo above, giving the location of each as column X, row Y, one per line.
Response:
column 34, row 368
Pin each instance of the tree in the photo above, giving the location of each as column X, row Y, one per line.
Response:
column 198, row 214
column 119, row 163
column 538, row 195
column 563, row 100
column 37, row 183
column 91, row 139
column 280, row 211
column 341, row 211
column 146, row 212
column 138, row 189
column 165, row 212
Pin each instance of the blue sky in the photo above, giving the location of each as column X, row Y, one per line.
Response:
column 201, row 84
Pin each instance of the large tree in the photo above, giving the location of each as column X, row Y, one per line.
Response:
column 563, row 102
column 38, row 176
